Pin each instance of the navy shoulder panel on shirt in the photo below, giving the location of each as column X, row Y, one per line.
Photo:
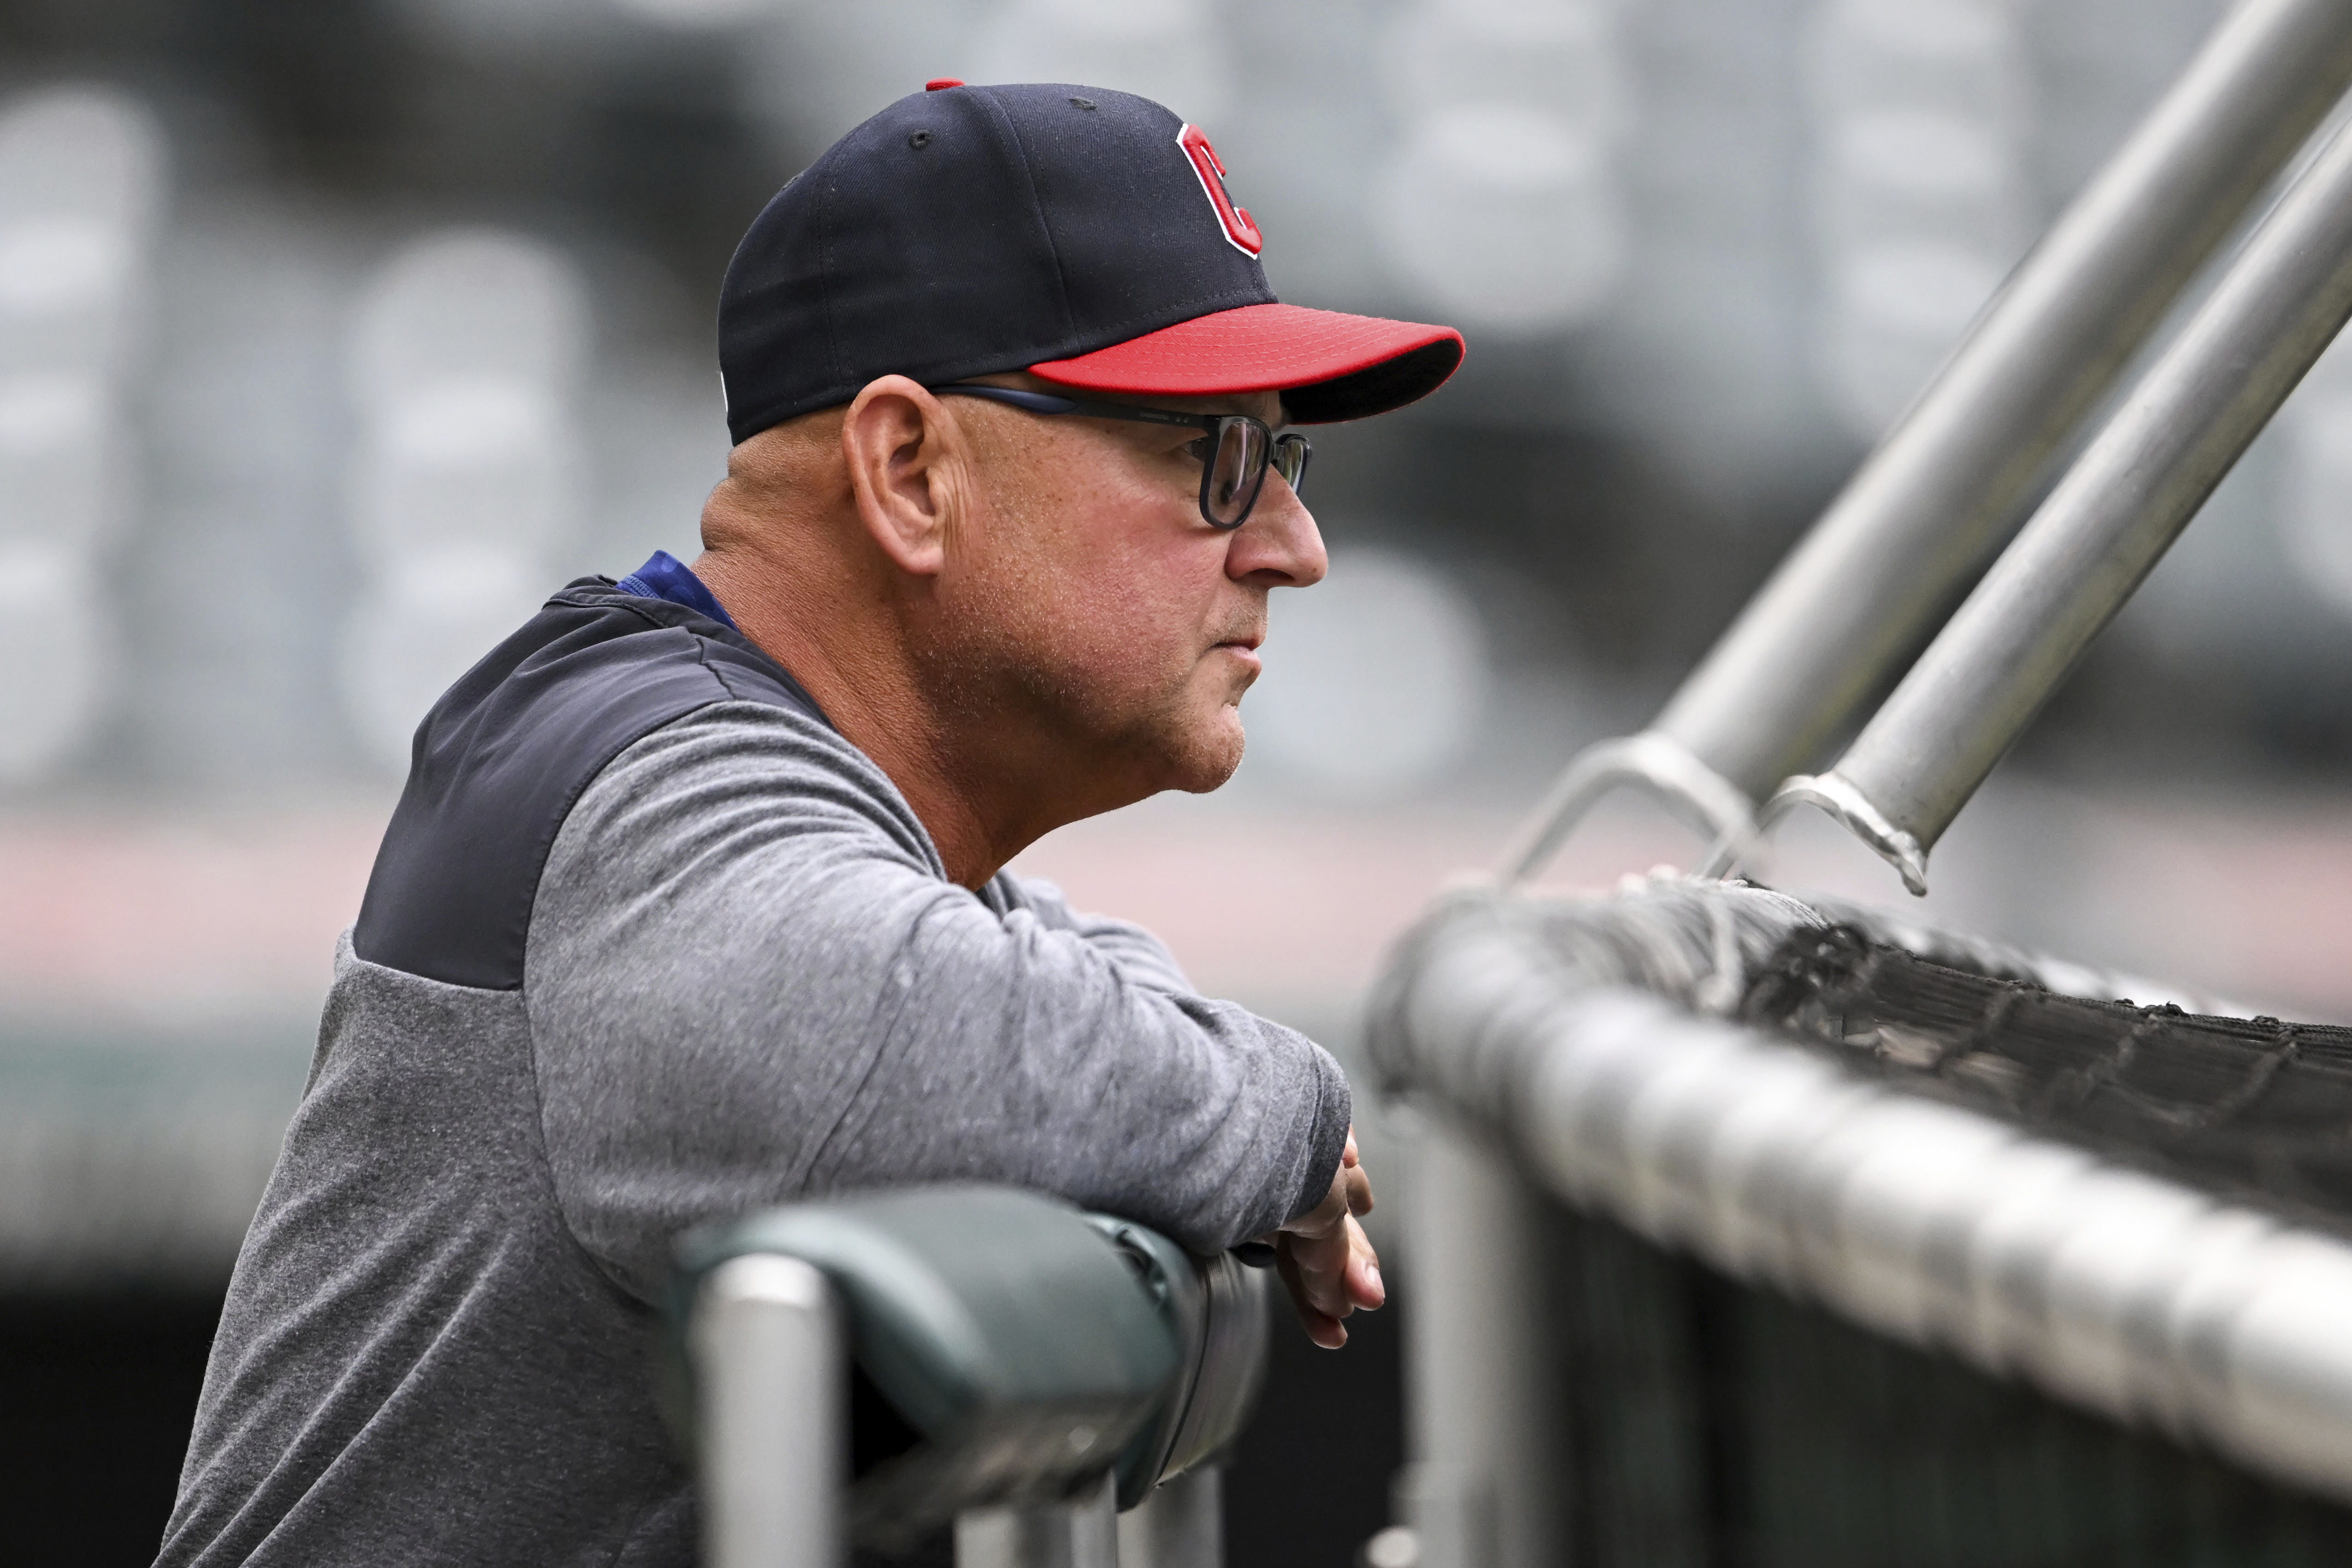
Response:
column 500, row 759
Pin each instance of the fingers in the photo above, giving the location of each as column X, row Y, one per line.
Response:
column 1321, row 1327
column 1362, row 1277
column 1330, row 1276
column 1351, row 1171
column 1321, row 1264
column 1326, row 1259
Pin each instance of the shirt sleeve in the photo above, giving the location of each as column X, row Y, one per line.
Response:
column 1142, row 956
column 749, row 980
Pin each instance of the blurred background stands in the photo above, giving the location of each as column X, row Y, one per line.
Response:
column 332, row 336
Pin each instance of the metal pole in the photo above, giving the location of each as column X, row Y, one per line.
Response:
column 1944, row 489
column 1180, row 1525
column 1079, row 1534
column 1973, row 693
column 770, row 1388
column 1486, row 1431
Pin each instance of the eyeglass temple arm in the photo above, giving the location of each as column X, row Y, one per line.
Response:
column 1048, row 402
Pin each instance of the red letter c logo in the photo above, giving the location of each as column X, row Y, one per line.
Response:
column 1240, row 232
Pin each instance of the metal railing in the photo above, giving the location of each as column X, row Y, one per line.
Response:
column 1579, row 1051
column 1923, row 515
column 2275, row 309
column 1056, row 1386
column 1948, row 485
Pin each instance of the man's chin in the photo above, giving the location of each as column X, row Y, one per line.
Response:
column 1210, row 758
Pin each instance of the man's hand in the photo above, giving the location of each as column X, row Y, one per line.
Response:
column 1326, row 1259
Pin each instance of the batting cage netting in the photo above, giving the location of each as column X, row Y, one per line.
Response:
column 1864, row 1245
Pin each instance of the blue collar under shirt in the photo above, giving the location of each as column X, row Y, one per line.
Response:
column 664, row 577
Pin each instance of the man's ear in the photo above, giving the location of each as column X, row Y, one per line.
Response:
column 909, row 468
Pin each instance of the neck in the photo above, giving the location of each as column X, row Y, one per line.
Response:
column 841, row 640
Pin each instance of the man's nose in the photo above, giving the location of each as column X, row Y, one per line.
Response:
column 1279, row 546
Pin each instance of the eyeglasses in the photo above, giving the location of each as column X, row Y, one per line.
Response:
column 1233, row 472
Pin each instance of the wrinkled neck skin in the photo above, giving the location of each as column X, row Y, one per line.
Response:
column 985, row 772
column 839, row 640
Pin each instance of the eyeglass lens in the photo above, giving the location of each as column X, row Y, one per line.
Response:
column 1245, row 450
column 1290, row 453
column 1236, row 470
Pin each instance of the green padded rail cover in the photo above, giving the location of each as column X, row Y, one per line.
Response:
column 1012, row 1335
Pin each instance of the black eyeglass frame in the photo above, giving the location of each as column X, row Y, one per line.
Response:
column 1290, row 445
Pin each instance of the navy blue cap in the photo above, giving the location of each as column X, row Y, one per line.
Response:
column 1082, row 233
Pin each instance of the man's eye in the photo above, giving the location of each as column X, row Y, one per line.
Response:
column 1201, row 448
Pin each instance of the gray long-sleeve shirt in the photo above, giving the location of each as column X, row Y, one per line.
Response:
column 744, row 978
column 748, row 978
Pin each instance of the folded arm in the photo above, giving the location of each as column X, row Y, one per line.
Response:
column 748, row 981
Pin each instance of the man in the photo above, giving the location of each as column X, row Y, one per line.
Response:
column 694, row 901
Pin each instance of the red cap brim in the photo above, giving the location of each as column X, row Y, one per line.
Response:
column 1328, row 366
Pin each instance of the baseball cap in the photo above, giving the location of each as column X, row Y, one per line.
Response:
column 1083, row 235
